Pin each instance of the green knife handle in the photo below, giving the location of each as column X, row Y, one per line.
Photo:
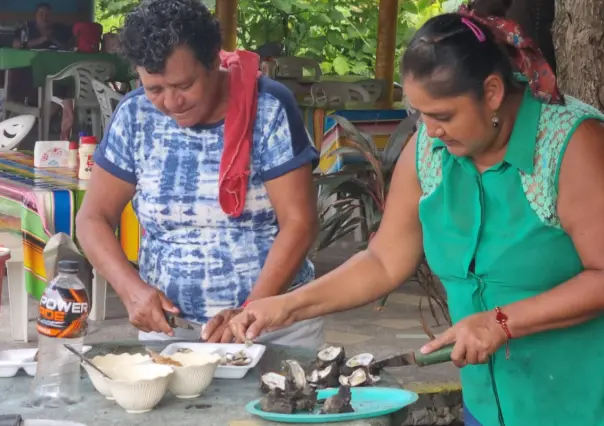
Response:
column 438, row 356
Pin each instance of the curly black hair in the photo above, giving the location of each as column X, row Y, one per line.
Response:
column 155, row 27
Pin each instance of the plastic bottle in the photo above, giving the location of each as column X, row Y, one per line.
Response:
column 62, row 319
column 72, row 160
column 88, row 145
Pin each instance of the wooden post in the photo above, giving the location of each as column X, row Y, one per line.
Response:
column 386, row 47
column 226, row 11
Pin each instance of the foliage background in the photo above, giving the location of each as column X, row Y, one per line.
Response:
column 340, row 34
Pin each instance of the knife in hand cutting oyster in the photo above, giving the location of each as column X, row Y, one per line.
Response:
column 416, row 358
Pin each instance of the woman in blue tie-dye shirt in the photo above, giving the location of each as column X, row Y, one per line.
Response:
column 162, row 151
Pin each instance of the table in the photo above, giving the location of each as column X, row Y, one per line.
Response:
column 48, row 62
column 377, row 121
column 38, row 203
column 223, row 403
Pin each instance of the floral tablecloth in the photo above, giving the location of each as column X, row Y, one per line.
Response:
column 38, row 203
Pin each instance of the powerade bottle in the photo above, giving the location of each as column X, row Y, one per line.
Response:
column 62, row 319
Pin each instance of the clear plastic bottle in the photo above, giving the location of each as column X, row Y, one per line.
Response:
column 62, row 319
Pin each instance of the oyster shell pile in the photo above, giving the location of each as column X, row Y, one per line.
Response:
column 294, row 388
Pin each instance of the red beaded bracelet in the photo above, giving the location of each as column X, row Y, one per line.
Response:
column 502, row 320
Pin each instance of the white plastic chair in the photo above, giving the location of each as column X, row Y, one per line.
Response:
column 14, row 130
column 85, row 100
column 338, row 93
column 294, row 66
column 108, row 100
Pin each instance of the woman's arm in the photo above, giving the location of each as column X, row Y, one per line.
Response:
column 581, row 211
column 96, row 222
column 294, row 199
column 391, row 258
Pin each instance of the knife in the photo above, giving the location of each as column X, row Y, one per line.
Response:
column 416, row 358
column 175, row 321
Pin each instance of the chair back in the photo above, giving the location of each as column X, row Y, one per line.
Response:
column 108, row 100
column 14, row 130
column 338, row 93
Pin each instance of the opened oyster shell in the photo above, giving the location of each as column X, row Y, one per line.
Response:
column 359, row 377
column 330, row 355
column 365, row 361
column 324, row 378
column 294, row 373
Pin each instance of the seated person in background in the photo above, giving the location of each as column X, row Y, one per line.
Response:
column 43, row 33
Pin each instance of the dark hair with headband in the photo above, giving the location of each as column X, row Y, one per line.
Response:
column 456, row 52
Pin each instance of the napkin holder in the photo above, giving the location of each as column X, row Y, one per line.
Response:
column 51, row 154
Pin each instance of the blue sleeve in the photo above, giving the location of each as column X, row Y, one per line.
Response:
column 115, row 154
column 287, row 145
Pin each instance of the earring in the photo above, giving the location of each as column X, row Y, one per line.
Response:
column 495, row 120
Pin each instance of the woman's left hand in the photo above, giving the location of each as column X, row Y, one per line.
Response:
column 476, row 338
column 217, row 330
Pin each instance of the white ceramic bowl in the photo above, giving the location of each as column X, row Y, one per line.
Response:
column 138, row 388
column 196, row 374
column 107, row 363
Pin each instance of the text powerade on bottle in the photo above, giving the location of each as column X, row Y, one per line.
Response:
column 62, row 319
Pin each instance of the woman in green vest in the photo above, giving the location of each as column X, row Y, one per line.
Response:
column 502, row 188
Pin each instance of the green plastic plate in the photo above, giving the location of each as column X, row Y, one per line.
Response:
column 367, row 403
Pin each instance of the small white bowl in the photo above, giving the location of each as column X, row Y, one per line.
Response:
column 195, row 375
column 139, row 388
column 108, row 363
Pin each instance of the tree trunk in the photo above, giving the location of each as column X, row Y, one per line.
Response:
column 579, row 43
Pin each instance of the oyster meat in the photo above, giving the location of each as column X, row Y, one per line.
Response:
column 359, row 377
column 277, row 401
column 237, row 359
column 164, row 360
column 338, row 403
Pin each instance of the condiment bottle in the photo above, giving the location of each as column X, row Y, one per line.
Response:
column 88, row 145
column 72, row 160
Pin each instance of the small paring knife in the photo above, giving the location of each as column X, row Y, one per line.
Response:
column 175, row 321
column 416, row 358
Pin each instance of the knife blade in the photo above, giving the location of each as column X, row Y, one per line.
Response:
column 416, row 358
column 175, row 321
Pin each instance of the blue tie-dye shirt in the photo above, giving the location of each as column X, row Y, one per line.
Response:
column 202, row 259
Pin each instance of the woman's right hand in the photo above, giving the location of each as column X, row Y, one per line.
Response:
column 261, row 316
column 146, row 310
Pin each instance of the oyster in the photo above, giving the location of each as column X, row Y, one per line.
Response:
column 330, row 355
column 325, row 378
column 295, row 373
column 164, row 360
column 237, row 359
column 277, row 401
column 272, row 381
column 306, row 399
column 364, row 361
column 359, row 377
column 338, row 403
column 184, row 350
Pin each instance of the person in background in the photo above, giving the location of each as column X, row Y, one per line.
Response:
column 218, row 166
column 501, row 190
column 43, row 33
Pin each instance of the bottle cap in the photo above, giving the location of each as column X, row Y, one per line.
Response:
column 73, row 145
column 69, row 266
column 89, row 140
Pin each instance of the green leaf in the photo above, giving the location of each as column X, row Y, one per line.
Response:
column 410, row 6
column 340, row 65
column 423, row 5
column 283, row 5
column 345, row 11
